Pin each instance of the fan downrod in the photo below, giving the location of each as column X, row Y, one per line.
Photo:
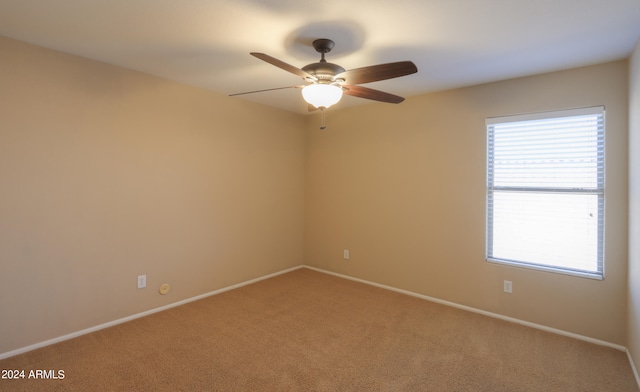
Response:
column 323, row 70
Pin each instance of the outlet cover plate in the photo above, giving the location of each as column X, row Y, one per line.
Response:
column 142, row 281
column 508, row 286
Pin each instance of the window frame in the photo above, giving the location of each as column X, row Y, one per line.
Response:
column 599, row 190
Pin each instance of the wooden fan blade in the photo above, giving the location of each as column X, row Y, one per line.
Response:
column 369, row 93
column 268, row 89
column 311, row 108
column 283, row 65
column 374, row 73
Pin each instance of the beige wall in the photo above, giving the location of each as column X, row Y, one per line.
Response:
column 633, row 340
column 403, row 188
column 106, row 174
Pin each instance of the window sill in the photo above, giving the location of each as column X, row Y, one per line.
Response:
column 580, row 274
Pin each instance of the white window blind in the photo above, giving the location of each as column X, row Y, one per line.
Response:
column 545, row 191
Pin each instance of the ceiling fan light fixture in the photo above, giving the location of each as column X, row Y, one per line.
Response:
column 322, row 95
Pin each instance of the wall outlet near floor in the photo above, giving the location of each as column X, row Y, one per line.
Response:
column 345, row 254
column 508, row 286
column 142, row 281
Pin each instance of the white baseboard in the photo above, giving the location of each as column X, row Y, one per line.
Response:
column 633, row 367
column 474, row 310
column 235, row 286
column 138, row 315
column 495, row 315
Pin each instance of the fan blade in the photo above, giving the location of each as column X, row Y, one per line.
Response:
column 369, row 93
column 374, row 73
column 311, row 108
column 283, row 65
column 268, row 89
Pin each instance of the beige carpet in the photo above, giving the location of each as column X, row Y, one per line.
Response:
column 308, row 331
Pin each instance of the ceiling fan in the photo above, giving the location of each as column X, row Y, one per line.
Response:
column 326, row 82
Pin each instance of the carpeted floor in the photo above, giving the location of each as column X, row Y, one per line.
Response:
column 308, row 331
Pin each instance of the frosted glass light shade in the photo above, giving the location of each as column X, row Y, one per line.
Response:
column 322, row 95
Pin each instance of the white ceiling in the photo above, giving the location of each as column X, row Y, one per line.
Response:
column 206, row 43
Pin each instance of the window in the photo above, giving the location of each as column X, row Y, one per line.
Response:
column 545, row 191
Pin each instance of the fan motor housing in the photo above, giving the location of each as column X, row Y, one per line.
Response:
column 323, row 70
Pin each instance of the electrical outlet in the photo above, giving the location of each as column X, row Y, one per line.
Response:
column 345, row 254
column 142, row 281
column 508, row 286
